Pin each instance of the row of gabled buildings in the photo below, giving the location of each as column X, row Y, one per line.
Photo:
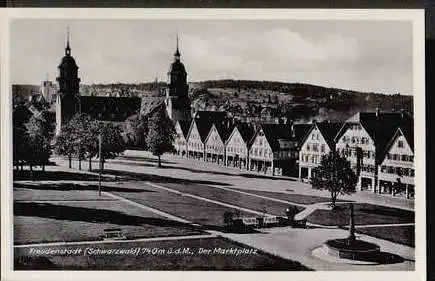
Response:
column 379, row 146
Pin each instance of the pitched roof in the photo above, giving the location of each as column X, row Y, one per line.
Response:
column 328, row 131
column 211, row 116
column 275, row 132
column 203, row 127
column 115, row 109
column 380, row 127
column 246, row 131
column 150, row 105
column 185, row 125
column 224, row 130
column 407, row 131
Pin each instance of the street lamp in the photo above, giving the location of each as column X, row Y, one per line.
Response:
column 100, row 141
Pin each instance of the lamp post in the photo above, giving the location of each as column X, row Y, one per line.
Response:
column 100, row 141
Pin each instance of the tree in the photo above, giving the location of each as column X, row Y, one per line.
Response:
column 65, row 143
column 21, row 116
column 112, row 142
column 40, row 134
column 81, row 134
column 161, row 134
column 335, row 175
column 136, row 130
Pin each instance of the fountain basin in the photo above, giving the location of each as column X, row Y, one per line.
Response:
column 357, row 250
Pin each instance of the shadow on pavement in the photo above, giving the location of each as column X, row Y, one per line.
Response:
column 198, row 171
column 77, row 187
column 70, row 213
column 155, row 178
column 53, row 176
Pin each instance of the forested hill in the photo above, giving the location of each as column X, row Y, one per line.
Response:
column 295, row 100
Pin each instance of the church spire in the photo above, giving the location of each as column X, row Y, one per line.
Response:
column 67, row 49
column 177, row 52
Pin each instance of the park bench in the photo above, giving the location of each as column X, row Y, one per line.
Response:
column 113, row 234
column 270, row 221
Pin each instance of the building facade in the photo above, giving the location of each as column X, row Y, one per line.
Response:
column 215, row 143
column 396, row 170
column 319, row 141
column 363, row 137
column 198, row 132
column 237, row 146
column 180, row 141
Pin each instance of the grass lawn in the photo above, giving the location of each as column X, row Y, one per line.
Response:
column 364, row 214
column 295, row 198
column 232, row 197
column 191, row 260
column 80, row 221
column 196, row 210
column 37, row 191
column 398, row 234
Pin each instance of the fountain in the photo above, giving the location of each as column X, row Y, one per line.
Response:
column 350, row 247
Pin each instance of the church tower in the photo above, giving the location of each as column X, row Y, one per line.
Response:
column 68, row 96
column 177, row 98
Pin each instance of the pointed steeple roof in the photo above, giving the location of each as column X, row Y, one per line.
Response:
column 67, row 49
column 177, row 51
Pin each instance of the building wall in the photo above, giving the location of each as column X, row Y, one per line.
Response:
column 194, row 143
column 399, row 157
column 180, row 142
column 260, row 149
column 357, row 137
column 312, row 150
column 236, row 145
column 214, row 143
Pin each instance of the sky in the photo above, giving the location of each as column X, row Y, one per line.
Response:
column 370, row 56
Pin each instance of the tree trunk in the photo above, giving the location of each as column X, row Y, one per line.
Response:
column 333, row 199
column 80, row 163
column 69, row 161
column 31, row 172
column 90, row 163
column 43, row 167
column 159, row 163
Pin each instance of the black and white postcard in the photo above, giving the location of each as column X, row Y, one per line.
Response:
column 193, row 144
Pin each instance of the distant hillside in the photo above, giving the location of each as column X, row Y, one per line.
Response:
column 297, row 101
column 300, row 102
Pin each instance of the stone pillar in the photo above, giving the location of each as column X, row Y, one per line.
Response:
column 300, row 173
column 272, row 167
column 407, row 191
column 309, row 173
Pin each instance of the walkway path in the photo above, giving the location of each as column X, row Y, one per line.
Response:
column 211, row 235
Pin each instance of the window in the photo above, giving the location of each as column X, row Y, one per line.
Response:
column 404, row 158
column 313, row 137
column 411, row 158
column 411, row 172
column 315, row 148
column 383, row 169
column 322, row 148
column 308, row 146
column 400, row 144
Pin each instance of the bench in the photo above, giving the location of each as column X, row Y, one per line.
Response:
column 270, row 221
column 250, row 222
column 113, row 234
